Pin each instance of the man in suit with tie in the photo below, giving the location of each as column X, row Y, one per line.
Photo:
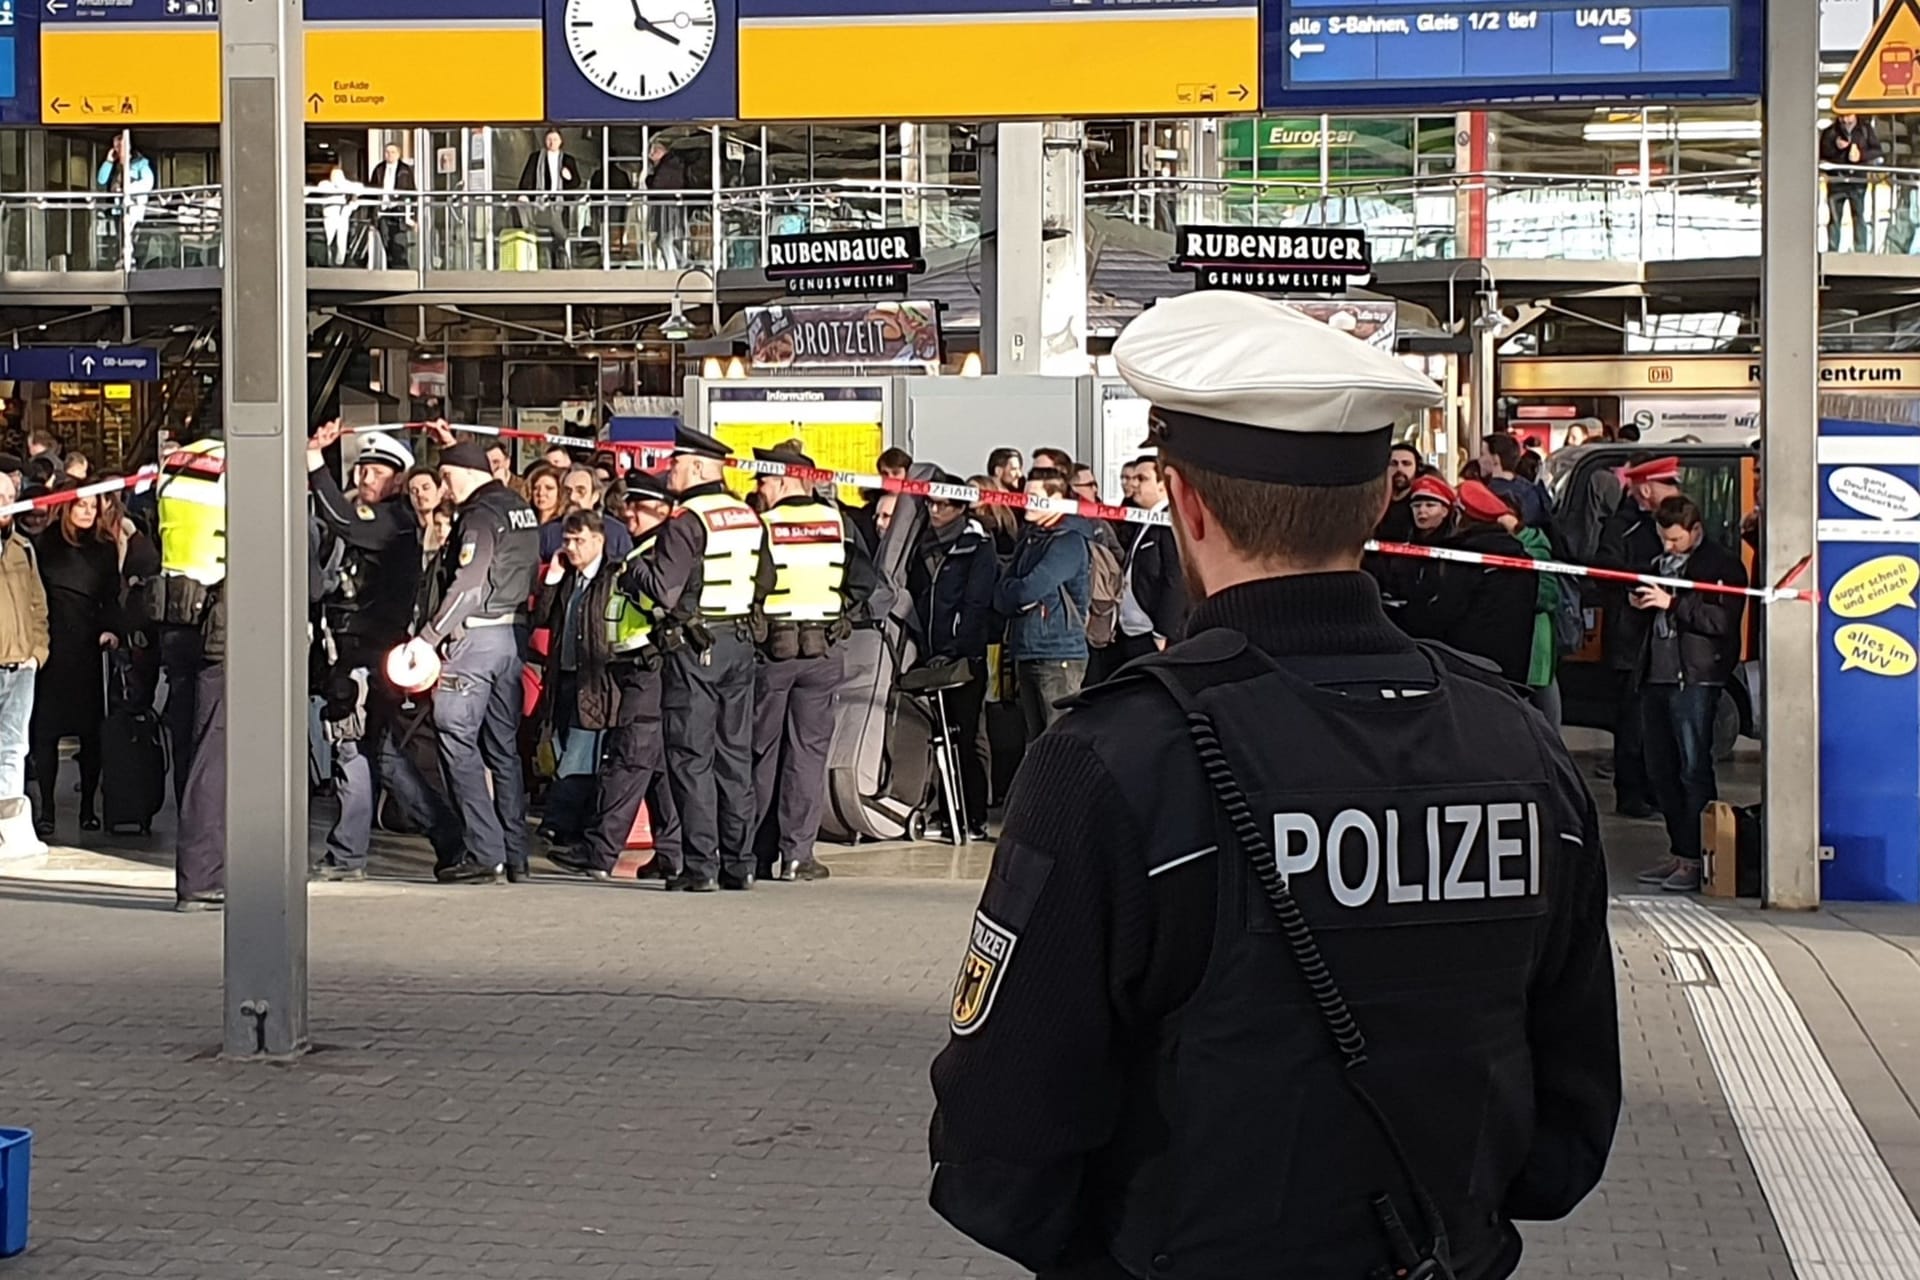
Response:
column 552, row 170
column 393, row 179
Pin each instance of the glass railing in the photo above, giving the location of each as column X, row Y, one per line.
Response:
column 1582, row 218
column 513, row 231
column 173, row 229
column 1579, row 218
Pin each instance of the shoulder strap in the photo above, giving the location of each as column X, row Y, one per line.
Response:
column 1348, row 1041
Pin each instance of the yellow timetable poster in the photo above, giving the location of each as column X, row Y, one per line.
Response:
column 840, row 428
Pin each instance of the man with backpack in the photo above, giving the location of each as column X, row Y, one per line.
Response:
column 1045, row 591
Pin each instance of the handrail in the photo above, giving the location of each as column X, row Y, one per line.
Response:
column 1595, row 217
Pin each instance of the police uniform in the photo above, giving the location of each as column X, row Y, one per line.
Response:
column 633, row 751
column 820, row 572
column 1293, row 959
column 486, row 574
column 372, row 576
column 708, row 567
column 187, row 604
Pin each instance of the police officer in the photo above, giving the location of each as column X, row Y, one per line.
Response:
column 708, row 568
column 1293, row 960
column 371, row 575
column 486, row 575
column 821, row 573
column 187, row 604
column 633, row 752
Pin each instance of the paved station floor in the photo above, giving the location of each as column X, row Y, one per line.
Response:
column 568, row 1079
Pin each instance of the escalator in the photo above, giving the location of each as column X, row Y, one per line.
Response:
column 324, row 375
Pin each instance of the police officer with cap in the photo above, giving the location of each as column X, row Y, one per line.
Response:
column 708, row 568
column 821, row 575
column 633, row 752
column 486, row 574
column 1293, row 960
column 372, row 574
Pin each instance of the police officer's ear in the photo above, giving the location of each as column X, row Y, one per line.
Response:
column 1184, row 504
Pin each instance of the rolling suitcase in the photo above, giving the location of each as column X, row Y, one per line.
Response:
column 133, row 770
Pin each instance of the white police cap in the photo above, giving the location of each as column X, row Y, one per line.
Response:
column 378, row 446
column 1249, row 387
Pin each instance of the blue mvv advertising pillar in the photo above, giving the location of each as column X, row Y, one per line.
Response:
column 1870, row 646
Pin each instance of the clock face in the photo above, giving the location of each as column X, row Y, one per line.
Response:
column 640, row 49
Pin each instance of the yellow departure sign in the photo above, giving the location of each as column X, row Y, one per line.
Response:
column 1885, row 75
column 1047, row 62
column 102, row 76
column 424, row 75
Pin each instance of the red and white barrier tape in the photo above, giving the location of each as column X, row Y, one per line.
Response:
column 138, row 480
column 1136, row 515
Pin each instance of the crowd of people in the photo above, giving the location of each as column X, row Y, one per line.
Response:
column 585, row 651
column 1672, row 652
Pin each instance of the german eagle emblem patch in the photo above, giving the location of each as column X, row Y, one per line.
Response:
column 981, row 972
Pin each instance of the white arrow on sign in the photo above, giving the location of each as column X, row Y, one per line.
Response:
column 86, row 363
column 1626, row 40
column 1298, row 47
column 55, row 6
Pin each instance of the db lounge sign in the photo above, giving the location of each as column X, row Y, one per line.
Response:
column 1292, row 260
column 830, row 262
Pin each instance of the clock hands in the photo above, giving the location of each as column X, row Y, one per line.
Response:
column 642, row 23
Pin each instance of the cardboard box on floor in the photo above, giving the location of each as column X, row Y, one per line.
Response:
column 1720, row 841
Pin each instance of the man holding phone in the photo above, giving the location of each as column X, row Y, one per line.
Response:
column 1689, row 653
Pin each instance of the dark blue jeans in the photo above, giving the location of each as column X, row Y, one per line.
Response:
column 476, row 710
column 354, row 782
column 1679, row 726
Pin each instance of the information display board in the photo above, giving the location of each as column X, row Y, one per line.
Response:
column 843, row 428
column 1325, row 54
column 1018, row 59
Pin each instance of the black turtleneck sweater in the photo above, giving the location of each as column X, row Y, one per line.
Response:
column 1030, row 1101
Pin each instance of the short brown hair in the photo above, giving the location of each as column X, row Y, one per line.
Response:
column 1677, row 510
column 1053, row 478
column 1289, row 522
column 895, row 458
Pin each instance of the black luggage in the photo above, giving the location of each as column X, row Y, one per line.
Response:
column 133, row 769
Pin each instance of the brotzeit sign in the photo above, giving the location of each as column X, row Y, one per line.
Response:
column 1316, row 260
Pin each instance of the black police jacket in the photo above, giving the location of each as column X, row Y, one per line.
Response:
column 1136, row 1074
column 379, row 561
column 487, row 567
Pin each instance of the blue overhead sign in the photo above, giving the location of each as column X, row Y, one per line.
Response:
column 19, row 61
column 80, row 364
column 1462, row 53
column 154, row 11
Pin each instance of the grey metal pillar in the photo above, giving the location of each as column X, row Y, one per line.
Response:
column 1790, row 343
column 264, row 353
column 1033, row 278
column 1012, row 265
column 1063, row 251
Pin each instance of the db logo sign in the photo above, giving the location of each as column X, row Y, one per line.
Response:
column 1659, row 373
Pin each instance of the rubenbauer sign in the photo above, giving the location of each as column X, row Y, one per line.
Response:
column 832, row 262
column 1290, row 260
